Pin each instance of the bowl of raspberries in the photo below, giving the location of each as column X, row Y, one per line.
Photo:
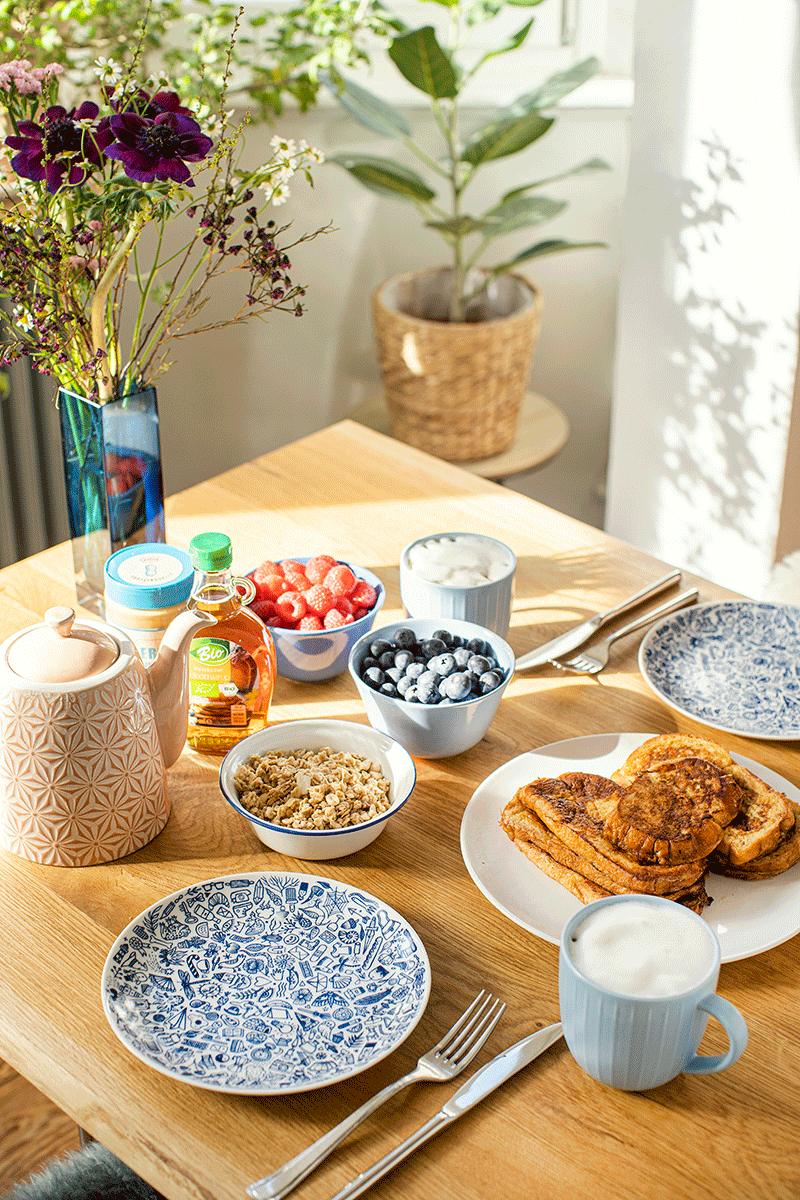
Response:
column 432, row 685
column 316, row 609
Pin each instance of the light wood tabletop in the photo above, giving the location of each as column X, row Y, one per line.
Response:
column 551, row 1131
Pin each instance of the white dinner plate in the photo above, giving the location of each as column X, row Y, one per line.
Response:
column 748, row 916
column 265, row 983
column 732, row 664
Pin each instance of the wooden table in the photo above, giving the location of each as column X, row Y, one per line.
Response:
column 541, row 433
column 550, row 1131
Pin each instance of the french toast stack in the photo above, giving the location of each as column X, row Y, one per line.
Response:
column 678, row 807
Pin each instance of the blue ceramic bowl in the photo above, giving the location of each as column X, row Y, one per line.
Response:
column 324, row 653
column 432, row 730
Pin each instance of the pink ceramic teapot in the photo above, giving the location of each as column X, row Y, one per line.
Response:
column 86, row 736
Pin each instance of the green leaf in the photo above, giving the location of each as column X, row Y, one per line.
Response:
column 521, row 212
column 422, row 61
column 592, row 164
column 384, row 177
column 367, row 109
column 505, row 134
column 554, row 246
column 560, row 85
column 459, row 226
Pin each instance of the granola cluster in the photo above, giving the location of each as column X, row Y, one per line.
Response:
column 312, row 789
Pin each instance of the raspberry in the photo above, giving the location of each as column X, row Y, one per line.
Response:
column 310, row 623
column 266, row 568
column 291, row 606
column 364, row 594
column 319, row 600
column 274, row 586
column 340, row 580
column 263, row 608
column 334, row 619
column 317, row 568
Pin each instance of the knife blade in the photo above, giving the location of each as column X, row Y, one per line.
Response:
column 477, row 1087
column 580, row 633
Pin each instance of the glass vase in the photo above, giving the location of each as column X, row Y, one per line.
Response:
column 114, row 487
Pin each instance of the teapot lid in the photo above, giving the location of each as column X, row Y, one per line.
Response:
column 60, row 651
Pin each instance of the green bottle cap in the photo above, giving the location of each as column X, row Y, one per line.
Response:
column 211, row 551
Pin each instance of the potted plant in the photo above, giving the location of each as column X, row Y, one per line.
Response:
column 116, row 216
column 455, row 342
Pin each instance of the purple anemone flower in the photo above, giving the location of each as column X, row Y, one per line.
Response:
column 57, row 146
column 157, row 148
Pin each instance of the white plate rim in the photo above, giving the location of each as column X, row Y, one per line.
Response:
column 526, row 881
column 297, row 877
column 692, row 714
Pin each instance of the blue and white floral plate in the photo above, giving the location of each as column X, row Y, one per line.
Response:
column 265, row 983
column 733, row 664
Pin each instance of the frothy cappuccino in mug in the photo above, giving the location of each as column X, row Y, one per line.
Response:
column 641, row 949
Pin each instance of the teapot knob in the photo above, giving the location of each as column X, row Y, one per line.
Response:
column 60, row 619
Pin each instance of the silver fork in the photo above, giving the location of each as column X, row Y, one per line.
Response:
column 592, row 661
column 444, row 1061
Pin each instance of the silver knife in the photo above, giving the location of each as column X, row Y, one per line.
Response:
column 580, row 633
column 468, row 1095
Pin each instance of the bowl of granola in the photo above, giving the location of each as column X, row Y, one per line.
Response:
column 317, row 789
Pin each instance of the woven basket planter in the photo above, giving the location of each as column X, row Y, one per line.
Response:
column 455, row 389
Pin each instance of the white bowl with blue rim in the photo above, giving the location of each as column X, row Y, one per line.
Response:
column 432, row 730
column 349, row 737
column 309, row 656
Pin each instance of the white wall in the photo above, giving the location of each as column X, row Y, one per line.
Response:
column 707, row 342
column 239, row 392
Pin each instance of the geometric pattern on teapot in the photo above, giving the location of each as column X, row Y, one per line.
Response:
column 82, row 777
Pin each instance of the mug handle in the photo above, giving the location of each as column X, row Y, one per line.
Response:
column 734, row 1025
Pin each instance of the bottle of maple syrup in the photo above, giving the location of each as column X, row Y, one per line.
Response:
column 231, row 666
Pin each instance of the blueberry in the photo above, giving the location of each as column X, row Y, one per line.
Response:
column 394, row 673
column 443, row 635
column 477, row 664
column 433, row 646
column 388, row 689
column 405, row 639
column 415, row 669
column 402, row 658
column 457, row 686
column 374, row 676
column 386, row 659
column 428, row 692
column 379, row 647
column 462, row 656
column 489, row 680
column 442, row 664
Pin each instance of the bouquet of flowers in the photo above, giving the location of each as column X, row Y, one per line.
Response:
column 84, row 184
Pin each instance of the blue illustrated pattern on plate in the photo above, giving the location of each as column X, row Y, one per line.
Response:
column 734, row 665
column 266, row 983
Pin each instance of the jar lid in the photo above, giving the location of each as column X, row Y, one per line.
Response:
column 211, row 551
column 150, row 575
column 61, row 650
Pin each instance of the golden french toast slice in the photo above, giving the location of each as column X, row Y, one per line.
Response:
column 563, row 807
column 674, row 812
column 765, row 866
column 765, row 816
column 671, row 747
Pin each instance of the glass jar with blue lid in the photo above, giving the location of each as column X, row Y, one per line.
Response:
column 145, row 587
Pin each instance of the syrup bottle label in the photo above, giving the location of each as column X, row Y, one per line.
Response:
column 223, row 683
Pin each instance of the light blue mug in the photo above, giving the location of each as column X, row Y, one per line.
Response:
column 635, row 1042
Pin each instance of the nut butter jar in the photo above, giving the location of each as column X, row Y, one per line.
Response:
column 145, row 587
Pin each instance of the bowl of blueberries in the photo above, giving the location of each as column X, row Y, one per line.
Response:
column 433, row 686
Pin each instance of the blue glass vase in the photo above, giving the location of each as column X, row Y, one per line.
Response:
column 114, row 487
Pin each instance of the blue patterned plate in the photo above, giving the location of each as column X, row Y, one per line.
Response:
column 734, row 665
column 265, row 983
